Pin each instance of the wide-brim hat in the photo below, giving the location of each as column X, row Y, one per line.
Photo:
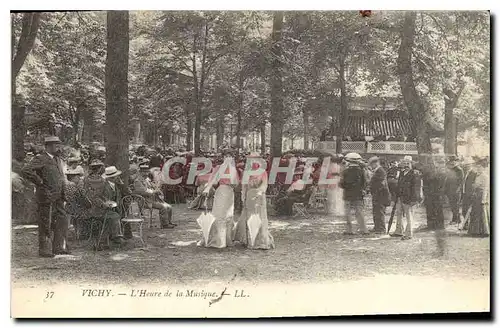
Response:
column 111, row 172
column 352, row 157
column 52, row 139
column 96, row 162
column 77, row 171
column 73, row 159
column 373, row 159
column 452, row 159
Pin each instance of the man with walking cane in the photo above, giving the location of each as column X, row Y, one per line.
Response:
column 409, row 194
column 47, row 173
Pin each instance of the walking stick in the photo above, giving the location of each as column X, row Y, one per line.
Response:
column 393, row 211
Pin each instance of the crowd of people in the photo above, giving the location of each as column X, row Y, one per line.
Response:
column 82, row 186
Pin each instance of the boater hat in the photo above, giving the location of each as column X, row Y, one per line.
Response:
column 111, row 172
column 52, row 139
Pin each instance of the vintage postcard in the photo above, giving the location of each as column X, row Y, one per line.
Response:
column 245, row 164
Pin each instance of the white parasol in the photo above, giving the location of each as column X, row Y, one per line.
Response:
column 205, row 221
column 254, row 223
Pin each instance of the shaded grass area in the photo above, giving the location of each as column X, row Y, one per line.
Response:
column 306, row 251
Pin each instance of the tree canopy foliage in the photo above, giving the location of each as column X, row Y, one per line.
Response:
column 198, row 72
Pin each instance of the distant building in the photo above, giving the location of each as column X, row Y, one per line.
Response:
column 375, row 126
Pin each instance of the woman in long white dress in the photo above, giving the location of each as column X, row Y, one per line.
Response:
column 220, row 230
column 252, row 228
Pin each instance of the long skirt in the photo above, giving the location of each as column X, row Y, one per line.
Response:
column 220, row 235
column 479, row 224
column 254, row 205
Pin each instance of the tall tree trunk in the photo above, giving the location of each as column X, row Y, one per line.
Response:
column 240, row 110
column 305, row 118
column 263, row 138
column 197, row 127
column 189, row 133
column 88, row 125
column 411, row 98
column 116, row 86
column 450, row 103
column 277, row 120
column 344, row 112
column 220, row 132
column 24, row 46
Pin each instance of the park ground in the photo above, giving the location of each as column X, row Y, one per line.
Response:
column 307, row 251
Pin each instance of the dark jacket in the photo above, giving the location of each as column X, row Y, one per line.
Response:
column 379, row 188
column 353, row 180
column 468, row 187
column 47, row 175
column 409, row 187
column 114, row 195
column 454, row 180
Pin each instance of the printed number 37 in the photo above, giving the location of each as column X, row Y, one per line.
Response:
column 49, row 295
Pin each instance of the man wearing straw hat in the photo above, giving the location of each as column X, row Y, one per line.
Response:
column 353, row 181
column 47, row 173
column 409, row 195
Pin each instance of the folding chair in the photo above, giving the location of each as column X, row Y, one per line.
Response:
column 320, row 199
column 300, row 207
column 133, row 216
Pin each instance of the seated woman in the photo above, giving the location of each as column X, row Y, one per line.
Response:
column 297, row 192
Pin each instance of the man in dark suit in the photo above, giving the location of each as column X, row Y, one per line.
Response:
column 470, row 175
column 392, row 177
column 353, row 180
column 409, row 194
column 381, row 197
column 47, row 173
column 453, row 187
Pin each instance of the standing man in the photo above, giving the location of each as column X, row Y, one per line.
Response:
column 468, row 186
column 353, row 180
column 393, row 178
column 144, row 187
column 381, row 197
column 46, row 172
column 453, row 187
column 409, row 194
